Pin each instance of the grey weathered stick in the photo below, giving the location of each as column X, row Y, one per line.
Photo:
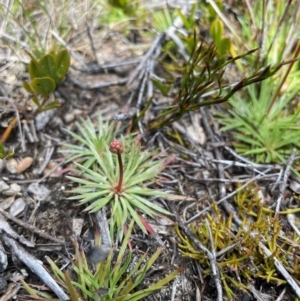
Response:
column 35, row 266
column 280, row 267
column 103, row 227
column 6, row 228
column 200, row 246
column 285, row 179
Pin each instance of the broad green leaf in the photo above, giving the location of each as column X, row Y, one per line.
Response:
column 47, row 66
column 63, row 60
column 34, row 69
column 43, row 85
column 28, row 87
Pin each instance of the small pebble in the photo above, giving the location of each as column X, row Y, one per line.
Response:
column 3, row 186
column 43, row 118
column 12, row 165
column 295, row 186
column 13, row 190
column 15, row 187
column 6, row 203
column 17, row 207
column 69, row 117
column 41, row 192
column 24, row 164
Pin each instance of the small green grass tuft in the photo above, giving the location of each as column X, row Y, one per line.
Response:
column 115, row 278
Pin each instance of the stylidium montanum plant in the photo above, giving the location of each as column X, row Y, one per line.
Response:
column 115, row 173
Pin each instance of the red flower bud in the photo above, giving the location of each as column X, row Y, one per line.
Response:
column 116, row 147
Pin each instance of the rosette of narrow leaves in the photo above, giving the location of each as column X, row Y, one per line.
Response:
column 266, row 137
column 115, row 279
column 89, row 138
column 119, row 180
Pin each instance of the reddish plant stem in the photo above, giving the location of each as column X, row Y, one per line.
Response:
column 119, row 187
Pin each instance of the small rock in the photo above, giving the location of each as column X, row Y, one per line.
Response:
column 77, row 224
column 6, row 203
column 41, row 192
column 69, row 117
column 43, row 118
column 295, row 186
column 16, row 187
column 17, row 207
column 24, row 164
column 3, row 186
column 12, row 165
column 13, row 190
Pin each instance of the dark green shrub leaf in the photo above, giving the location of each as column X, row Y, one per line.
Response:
column 28, row 87
column 47, row 66
column 34, row 69
column 63, row 60
column 44, row 85
column 216, row 31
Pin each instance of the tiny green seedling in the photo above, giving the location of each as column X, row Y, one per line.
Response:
column 45, row 74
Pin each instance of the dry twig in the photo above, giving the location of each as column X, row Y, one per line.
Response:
column 34, row 265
